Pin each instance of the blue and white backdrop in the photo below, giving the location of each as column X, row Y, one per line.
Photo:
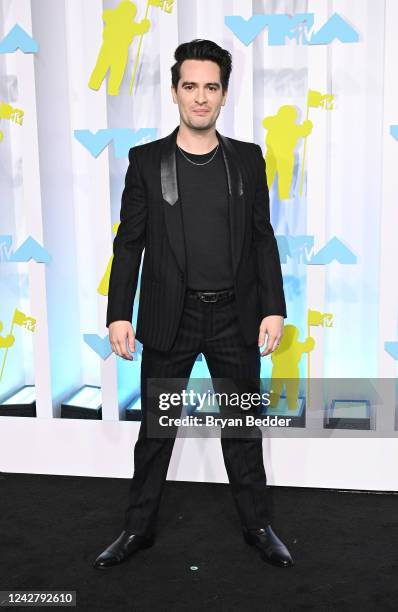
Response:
column 314, row 83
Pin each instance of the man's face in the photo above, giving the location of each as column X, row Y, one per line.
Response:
column 199, row 94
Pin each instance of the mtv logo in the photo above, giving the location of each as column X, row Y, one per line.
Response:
column 122, row 138
column 283, row 27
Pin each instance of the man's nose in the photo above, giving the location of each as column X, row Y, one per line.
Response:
column 201, row 96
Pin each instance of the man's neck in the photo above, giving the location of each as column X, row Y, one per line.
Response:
column 197, row 142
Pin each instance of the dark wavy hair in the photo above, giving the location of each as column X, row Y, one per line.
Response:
column 201, row 49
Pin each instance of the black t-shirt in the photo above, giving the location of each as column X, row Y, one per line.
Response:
column 204, row 198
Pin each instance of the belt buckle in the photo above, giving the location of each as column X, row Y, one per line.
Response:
column 207, row 293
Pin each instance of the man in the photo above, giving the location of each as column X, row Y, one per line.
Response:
column 211, row 283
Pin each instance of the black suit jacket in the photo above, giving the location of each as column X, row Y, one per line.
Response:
column 151, row 219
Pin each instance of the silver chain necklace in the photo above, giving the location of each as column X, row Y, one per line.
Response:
column 196, row 163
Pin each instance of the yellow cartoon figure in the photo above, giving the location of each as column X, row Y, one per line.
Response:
column 283, row 133
column 285, row 366
column 9, row 112
column 6, row 341
column 21, row 319
column 104, row 282
column 119, row 31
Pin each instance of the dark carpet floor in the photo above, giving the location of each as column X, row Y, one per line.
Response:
column 345, row 545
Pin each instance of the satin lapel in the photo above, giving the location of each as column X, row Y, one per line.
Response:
column 173, row 212
column 236, row 198
column 172, row 209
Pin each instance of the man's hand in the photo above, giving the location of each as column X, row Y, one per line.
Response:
column 273, row 326
column 121, row 336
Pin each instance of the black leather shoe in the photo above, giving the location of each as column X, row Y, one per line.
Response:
column 122, row 548
column 272, row 549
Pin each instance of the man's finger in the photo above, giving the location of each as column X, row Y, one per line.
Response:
column 126, row 353
column 276, row 343
column 261, row 337
column 270, row 343
column 273, row 345
column 131, row 341
column 121, row 350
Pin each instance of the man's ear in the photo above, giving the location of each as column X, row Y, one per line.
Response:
column 174, row 94
column 224, row 97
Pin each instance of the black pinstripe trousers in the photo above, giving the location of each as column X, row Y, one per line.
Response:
column 210, row 328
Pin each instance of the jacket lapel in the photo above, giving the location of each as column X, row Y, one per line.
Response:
column 172, row 201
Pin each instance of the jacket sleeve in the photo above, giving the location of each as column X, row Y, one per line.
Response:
column 128, row 245
column 269, row 272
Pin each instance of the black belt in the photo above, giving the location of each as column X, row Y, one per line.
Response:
column 210, row 296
